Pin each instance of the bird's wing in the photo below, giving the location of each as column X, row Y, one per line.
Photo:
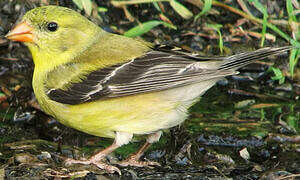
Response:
column 153, row 72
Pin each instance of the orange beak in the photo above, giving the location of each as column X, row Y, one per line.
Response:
column 22, row 32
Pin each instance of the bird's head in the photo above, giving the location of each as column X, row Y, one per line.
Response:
column 54, row 31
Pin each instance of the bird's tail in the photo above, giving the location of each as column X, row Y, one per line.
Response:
column 242, row 59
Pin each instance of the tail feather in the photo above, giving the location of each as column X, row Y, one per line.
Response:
column 240, row 60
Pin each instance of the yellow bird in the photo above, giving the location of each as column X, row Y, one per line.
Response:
column 113, row 86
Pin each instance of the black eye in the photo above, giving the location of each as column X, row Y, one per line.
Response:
column 52, row 26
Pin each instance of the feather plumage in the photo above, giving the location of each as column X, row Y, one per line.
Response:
column 155, row 71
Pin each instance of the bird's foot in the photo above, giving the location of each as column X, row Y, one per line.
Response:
column 100, row 165
column 133, row 161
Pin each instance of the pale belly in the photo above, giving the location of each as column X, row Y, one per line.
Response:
column 139, row 114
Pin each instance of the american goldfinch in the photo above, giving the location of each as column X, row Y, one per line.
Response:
column 113, row 86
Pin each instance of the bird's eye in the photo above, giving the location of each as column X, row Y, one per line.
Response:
column 52, row 26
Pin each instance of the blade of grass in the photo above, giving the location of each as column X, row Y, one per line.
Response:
column 84, row 4
column 263, row 10
column 155, row 4
column 87, row 6
column 278, row 75
column 290, row 9
column 181, row 9
column 205, row 9
column 264, row 28
column 78, row 3
column 217, row 28
column 296, row 32
column 293, row 60
column 145, row 27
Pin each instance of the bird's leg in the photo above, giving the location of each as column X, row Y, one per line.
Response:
column 120, row 139
column 133, row 159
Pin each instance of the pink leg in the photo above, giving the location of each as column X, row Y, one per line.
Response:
column 121, row 139
column 133, row 160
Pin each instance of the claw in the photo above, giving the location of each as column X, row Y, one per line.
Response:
column 70, row 161
column 109, row 168
column 137, row 163
column 96, row 160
